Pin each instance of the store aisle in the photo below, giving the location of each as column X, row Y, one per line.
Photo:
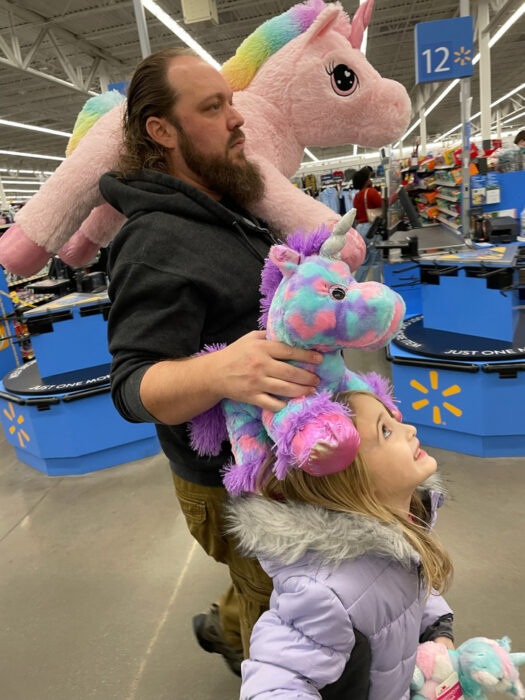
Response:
column 99, row 578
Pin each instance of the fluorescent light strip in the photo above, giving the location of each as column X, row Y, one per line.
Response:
column 21, row 182
column 326, row 161
column 25, row 172
column 441, row 97
column 516, row 89
column 414, row 125
column 310, row 154
column 22, row 191
column 29, row 155
column 493, row 104
column 507, row 25
column 511, row 119
column 42, row 129
column 174, row 27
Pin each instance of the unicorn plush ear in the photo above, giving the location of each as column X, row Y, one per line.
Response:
column 285, row 258
column 360, row 22
column 323, row 22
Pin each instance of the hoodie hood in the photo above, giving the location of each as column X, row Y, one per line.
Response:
column 153, row 191
column 280, row 533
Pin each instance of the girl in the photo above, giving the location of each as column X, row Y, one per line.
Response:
column 356, row 573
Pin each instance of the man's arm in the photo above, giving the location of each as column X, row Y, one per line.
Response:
column 252, row 369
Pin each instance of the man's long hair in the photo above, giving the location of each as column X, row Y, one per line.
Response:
column 149, row 95
column 351, row 491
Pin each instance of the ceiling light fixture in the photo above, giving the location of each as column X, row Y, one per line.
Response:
column 29, row 155
column 22, row 182
column 16, row 172
column 31, row 127
column 22, row 191
column 511, row 119
column 175, row 27
column 310, row 154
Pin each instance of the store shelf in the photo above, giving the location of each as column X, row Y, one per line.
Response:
column 451, row 224
column 447, row 184
column 445, row 167
column 25, row 280
column 449, row 198
column 448, row 211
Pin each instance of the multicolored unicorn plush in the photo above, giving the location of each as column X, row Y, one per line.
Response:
column 311, row 301
column 300, row 80
column 481, row 665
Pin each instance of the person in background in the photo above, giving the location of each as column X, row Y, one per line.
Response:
column 184, row 273
column 357, row 573
column 367, row 197
column 520, row 139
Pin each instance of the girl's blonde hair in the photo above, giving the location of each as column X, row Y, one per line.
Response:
column 350, row 491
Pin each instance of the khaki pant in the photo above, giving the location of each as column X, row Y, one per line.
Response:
column 247, row 598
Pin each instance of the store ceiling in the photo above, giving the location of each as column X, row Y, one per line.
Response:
column 102, row 37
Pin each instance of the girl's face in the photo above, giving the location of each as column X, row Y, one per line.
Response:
column 395, row 461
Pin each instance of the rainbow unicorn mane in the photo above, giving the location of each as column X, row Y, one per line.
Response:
column 271, row 36
column 91, row 113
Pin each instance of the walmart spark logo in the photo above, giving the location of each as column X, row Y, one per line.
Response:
column 462, row 56
column 16, row 421
column 436, row 409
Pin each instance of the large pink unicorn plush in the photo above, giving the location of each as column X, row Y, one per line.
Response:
column 299, row 80
column 310, row 300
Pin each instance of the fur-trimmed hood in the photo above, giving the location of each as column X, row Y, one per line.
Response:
column 284, row 533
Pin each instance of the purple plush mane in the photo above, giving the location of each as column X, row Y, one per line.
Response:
column 300, row 241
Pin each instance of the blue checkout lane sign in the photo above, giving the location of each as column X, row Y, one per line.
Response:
column 444, row 49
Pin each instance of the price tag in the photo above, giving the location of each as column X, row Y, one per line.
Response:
column 450, row 689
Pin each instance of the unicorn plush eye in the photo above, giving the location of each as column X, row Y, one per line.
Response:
column 343, row 79
column 337, row 293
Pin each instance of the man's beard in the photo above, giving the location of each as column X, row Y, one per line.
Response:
column 242, row 181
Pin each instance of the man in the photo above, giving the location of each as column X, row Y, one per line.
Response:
column 185, row 272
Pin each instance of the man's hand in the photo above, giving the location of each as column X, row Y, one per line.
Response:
column 251, row 369
column 256, row 371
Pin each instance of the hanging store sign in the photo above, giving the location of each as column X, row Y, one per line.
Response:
column 444, row 49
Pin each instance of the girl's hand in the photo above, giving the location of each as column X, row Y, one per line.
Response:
column 445, row 641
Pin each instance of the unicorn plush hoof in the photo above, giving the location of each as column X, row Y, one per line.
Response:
column 78, row 251
column 326, row 445
column 19, row 254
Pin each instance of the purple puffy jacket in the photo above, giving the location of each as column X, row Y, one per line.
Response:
column 346, row 614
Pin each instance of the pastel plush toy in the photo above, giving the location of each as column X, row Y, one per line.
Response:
column 300, row 80
column 311, row 301
column 482, row 665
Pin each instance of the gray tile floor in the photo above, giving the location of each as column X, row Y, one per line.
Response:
column 99, row 578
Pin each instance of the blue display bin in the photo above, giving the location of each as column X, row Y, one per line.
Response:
column 10, row 356
column 70, row 427
column 473, row 406
column 463, row 301
column 70, row 334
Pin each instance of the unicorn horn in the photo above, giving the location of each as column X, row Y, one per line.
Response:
column 517, row 658
column 344, row 224
column 335, row 243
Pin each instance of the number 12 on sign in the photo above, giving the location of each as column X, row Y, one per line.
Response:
column 444, row 49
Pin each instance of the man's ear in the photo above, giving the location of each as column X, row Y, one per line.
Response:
column 161, row 131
